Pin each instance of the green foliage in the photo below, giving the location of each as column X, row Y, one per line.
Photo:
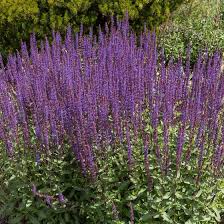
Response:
column 21, row 17
column 54, row 174
column 199, row 23
column 219, row 199
column 174, row 198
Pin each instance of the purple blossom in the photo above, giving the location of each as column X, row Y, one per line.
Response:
column 34, row 189
column 38, row 158
column 128, row 139
column 61, row 198
column 91, row 92
column 48, row 200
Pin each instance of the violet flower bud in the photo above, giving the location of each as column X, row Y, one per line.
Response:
column 34, row 189
column 38, row 158
column 48, row 200
column 61, row 198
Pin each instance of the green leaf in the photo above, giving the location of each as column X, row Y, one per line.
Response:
column 178, row 174
column 178, row 195
column 16, row 219
column 42, row 215
column 28, row 203
column 34, row 220
column 198, row 194
column 142, row 191
column 217, row 213
column 123, row 185
column 166, row 217
column 147, row 217
column 167, row 195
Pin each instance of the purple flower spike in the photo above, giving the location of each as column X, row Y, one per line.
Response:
column 89, row 92
column 61, row 198
column 48, row 200
column 129, row 147
column 38, row 158
column 34, row 189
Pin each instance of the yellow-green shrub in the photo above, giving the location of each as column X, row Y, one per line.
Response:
column 18, row 18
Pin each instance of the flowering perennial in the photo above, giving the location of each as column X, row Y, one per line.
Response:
column 89, row 92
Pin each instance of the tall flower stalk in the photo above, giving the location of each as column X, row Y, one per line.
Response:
column 89, row 92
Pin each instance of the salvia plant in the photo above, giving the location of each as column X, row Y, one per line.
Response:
column 90, row 92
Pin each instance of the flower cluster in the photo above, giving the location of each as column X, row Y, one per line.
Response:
column 91, row 91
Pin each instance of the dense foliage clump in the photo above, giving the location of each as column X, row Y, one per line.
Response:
column 130, row 120
column 21, row 17
column 199, row 22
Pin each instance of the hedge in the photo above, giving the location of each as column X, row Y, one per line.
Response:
column 19, row 18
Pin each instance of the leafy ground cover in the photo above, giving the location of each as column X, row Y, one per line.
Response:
column 118, row 195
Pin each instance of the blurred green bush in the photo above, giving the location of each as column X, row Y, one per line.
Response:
column 199, row 23
column 18, row 18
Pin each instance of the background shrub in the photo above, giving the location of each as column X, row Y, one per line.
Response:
column 21, row 17
column 199, row 23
